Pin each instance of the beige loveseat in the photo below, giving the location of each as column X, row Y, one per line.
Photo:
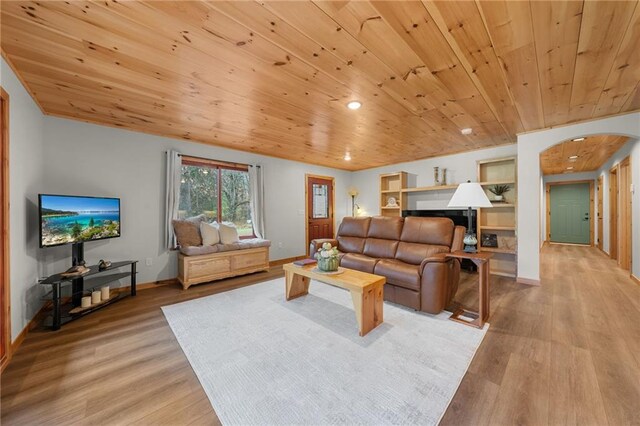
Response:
column 199, row 264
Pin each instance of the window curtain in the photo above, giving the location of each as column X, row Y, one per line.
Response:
column 174, row 168
column 256, row 200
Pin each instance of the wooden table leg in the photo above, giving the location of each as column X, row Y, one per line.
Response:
column 296, row 285
column 368, row 308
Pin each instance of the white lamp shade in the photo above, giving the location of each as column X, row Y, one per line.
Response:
column 469, row 194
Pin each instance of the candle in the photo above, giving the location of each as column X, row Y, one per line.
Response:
column 86, row 302
column 104, row 292
column 95, row 297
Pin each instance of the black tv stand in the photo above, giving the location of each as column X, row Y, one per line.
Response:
column 63, row 305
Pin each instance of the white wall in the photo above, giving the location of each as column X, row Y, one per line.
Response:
column 530, row 145
column 26, row 163
column 631, row 148
column 460, row 168
column 87, row 159
column 564, row 178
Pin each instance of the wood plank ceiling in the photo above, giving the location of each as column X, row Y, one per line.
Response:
column 580, row 155
column 275, row 77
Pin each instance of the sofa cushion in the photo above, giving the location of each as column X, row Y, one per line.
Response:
column 350, row 244
column 415, row 253
column 388, row 228
column 428, row 230
column 399, row 273
column 359, row 262
column 377, row 247
column 188, row 231
column 354, row 227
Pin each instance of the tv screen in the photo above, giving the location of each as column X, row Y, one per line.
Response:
column 68, row 219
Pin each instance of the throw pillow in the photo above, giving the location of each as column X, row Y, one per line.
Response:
column 210, row 233
column 228, row 233
column 188, row 231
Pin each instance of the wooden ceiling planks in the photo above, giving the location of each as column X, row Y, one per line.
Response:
column 590, row 154
column 274, row 77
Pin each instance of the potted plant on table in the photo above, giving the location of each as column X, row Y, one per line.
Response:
column 499, row 191
column 327, row 257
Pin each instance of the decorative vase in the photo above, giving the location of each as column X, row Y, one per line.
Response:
column 499, row 197
column 328, row 264
column 444, row 177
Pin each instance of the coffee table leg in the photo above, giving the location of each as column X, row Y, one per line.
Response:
column 368, row 308
column 296, row 285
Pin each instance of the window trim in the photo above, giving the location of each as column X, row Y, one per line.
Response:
column 219, row 165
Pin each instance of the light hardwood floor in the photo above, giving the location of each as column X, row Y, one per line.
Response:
column 567, row 352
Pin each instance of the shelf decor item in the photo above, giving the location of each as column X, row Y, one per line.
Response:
column 489, row 240
column 327, row 257
column 86, row 302
column 499, row 191
column 470, row 195
column 391, row 202
column 444, row 177
column 104, row 292
column 436, row 176
column 96, row 297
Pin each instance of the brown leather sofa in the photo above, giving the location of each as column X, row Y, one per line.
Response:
column 409, row 252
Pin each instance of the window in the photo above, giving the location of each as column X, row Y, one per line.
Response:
column 217, row 190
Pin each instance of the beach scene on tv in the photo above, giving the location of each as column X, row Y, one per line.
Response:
column 76, row 219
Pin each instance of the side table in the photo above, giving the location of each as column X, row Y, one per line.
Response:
column 481, row 260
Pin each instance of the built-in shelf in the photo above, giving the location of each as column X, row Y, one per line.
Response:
column 497, row 250
column 431, row 188
column 390, row 208
column 391, row 191
column 498, row 182
column 503, row 206
column 392, row 185
column 498, row 228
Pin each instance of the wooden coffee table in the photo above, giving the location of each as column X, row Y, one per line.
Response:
column 367, row 290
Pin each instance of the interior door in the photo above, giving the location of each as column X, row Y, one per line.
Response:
column 570, row 221
column 319, row 208
column 600, row 206
column 5, row 319
column 613, row 213
column 624, row 258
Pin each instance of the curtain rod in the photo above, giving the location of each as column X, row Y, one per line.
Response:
column 230, row 163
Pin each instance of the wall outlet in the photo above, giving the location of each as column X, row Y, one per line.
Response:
column 280, row 245
column 148, row 261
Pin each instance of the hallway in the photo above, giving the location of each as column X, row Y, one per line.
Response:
column 567, row 352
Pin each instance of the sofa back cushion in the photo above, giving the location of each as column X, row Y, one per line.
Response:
column 424, row 237
column 380, row 248
column 387, row 228
column 352, row 233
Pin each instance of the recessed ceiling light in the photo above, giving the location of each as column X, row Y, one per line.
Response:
column 578, row 139
column 573, row 157
column 347, row 157
column 466, row 131
column 354, row 105
column 570, row 168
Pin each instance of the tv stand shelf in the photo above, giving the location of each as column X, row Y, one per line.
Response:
column 60, row 312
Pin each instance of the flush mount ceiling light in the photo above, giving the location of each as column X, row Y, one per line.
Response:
column 466, row 131
column 570, row 168
column 347, row 157
column 578, row 139
column 354, row 105
column 573, row 157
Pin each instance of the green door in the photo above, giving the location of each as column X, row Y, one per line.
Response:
column 570, row 219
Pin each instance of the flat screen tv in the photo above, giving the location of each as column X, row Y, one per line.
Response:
column 66, row 219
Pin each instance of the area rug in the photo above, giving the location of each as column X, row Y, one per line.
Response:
column 265, row 361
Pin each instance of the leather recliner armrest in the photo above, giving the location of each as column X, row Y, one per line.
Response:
column 439, row 258
column 314, row 245
column 435, row 279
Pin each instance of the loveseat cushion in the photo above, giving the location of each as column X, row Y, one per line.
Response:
column 358, row 262
column 377, row 247
column 218, row 248
column 399, row 273
column 387, row 228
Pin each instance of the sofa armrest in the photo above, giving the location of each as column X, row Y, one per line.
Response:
column 316, row 244
column 437, row 275
column 438, row 258
column 458, row 237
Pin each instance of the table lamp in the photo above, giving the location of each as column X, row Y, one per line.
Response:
column 470, row 195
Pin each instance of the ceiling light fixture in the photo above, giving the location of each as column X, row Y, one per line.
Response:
column 573, row 157
column 347, row 157
column 578, row 139
column 570, row 168
column 354, row 105
column 466, row 131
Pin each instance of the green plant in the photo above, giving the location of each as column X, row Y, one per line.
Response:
column 499, row 189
